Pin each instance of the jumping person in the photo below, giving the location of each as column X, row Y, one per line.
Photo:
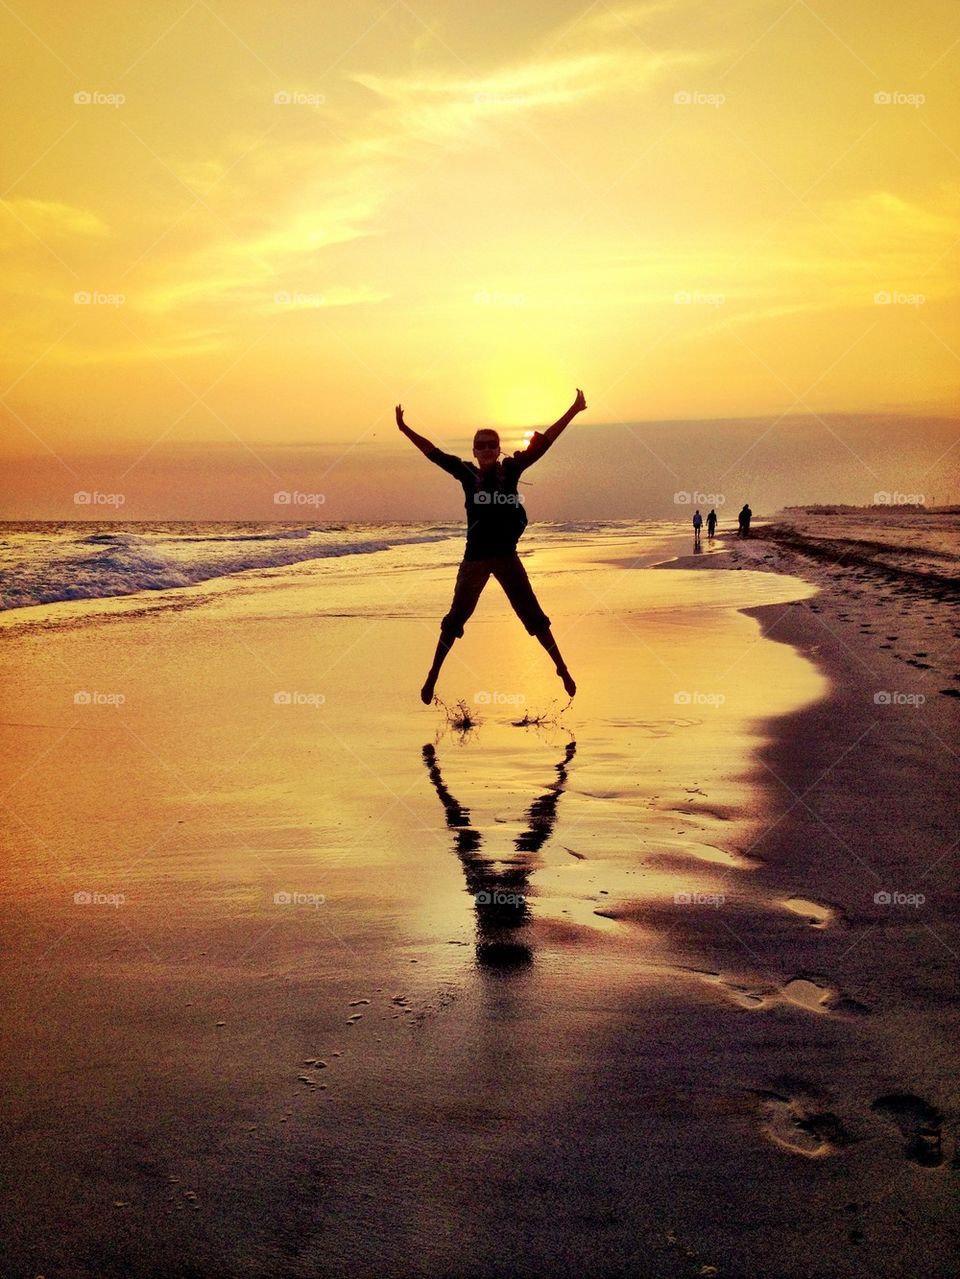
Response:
column 495, row 522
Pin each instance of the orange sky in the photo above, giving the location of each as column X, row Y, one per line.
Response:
column 288, row 217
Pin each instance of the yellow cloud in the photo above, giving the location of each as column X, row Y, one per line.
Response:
column 25, row 220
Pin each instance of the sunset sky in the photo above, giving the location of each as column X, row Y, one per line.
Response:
column 289, row 217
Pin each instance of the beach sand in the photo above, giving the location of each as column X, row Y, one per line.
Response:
column 278, row 1034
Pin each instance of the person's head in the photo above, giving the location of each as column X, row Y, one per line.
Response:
column 486, row 448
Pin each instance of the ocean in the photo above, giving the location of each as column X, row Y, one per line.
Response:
column 45, row 562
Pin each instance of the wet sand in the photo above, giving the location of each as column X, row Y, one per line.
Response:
column 358, row 993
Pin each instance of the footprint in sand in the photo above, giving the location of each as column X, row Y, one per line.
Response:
column 816, row 914
column 807, row 994
column 801, row 992
column 819, row 999
column 919, row 1122
column 797, row 1125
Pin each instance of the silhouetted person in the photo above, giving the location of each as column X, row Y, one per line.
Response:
column 697, row 525
column 495, row 522
column 744, row 521
column 711, row 524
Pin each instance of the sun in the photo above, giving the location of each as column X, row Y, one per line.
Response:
column 521, row 400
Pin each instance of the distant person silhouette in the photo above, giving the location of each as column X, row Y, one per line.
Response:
column 697, row 525
column 495, row 522
column 744, row 521
column 711, row 524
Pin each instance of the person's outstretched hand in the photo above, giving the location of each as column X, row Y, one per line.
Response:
column 579, row 403
column 400, row 421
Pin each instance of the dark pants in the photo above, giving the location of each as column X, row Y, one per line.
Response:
column 473, row 576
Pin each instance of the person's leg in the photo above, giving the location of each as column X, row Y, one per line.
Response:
column 512, row 576
column 472, row 577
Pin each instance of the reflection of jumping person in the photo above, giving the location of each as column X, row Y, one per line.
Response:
column 498, row 882
column 495, row 522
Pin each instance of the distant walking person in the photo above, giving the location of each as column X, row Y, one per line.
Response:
column 711, row 524
column 744, row 521
column 697, row 525
column 495, row 522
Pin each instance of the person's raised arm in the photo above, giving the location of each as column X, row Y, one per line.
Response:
column 562, row 423
column 422, row 444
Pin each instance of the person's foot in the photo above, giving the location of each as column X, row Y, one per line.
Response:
column 568, row 682
column 426, row 693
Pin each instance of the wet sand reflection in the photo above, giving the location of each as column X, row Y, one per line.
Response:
column 499, row 884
